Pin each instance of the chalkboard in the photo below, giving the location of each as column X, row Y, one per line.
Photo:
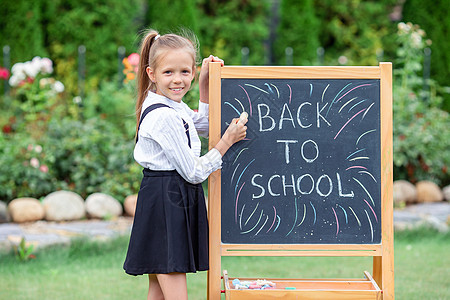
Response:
column 309, row 170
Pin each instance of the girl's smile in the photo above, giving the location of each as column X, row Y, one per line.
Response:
column 173, row 74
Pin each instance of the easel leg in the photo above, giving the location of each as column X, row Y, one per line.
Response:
column 214, row 283
column 383, row 274
column 377, row 271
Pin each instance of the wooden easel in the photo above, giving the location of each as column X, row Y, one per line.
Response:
column 383, row 253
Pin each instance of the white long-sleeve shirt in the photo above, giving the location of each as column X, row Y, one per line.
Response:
column 163, row 145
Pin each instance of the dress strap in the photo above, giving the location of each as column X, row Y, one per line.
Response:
column 158, row 105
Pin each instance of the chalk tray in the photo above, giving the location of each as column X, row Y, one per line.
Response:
column 306, row 289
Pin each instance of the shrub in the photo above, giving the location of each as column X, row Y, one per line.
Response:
column 355, row 29
column 50, row 143
column 21, row 28
column 87, row 154
column 421, row 136
column 35, row 97
column 182, row 13
column 435, row 20
column 101, row 26
column 25, row 168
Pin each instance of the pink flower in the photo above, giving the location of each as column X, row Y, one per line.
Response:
column 4, row 73
column 133, row 59
column 43, row 168
column 34, row 162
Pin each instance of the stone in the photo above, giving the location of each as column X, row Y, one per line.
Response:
column 428, row 191
column 63, row 206
column 99, row 205
column 4, row 214
column 26, row 210
column 446, row 191
column 404, row 192
column 129, row 205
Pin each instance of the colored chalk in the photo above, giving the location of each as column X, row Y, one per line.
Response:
column 236, row 282
column 290, row 288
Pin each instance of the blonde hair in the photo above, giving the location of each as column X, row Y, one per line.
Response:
column 153, row 47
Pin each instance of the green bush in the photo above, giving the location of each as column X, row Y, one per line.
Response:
column 114, row 105
column 355, row 29
column 298, row 29
column 25, row 168
column 421, row 135
column 435, row 20
column 48, row 142
column 87, row 154
column 21, row 28
column 182, row 13
column 101, row 26
column 228, row 26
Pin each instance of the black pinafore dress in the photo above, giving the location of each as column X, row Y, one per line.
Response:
column 170, row 227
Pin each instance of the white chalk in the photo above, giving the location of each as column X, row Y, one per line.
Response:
column 244, row 116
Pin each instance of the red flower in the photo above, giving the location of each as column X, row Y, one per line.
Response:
column 7, row 128
column 4, row 73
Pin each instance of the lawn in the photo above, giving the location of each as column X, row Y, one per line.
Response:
column 88, row 270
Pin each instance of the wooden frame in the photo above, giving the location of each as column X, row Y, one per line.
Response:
column 383, row 254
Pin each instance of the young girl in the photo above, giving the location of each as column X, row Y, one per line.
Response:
column 169, row 237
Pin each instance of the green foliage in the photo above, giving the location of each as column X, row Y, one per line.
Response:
column 228, row 26
column 114, row 105
column 87, row 154
column 25, row 168
column 298, row 29
column 101, row 26
column 50, row 143
column 355, row 29
column 421, row 136
column 21, row 28
column 435, row 20
column 181, row 13
column 24, row 252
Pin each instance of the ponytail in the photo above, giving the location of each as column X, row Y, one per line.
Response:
column 144, row 83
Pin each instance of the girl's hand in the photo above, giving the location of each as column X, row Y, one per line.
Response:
column 204, row 77
column 235, row 132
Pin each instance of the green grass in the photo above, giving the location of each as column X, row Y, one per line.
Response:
column 88, row 270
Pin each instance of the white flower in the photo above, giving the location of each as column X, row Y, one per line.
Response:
column 58, row 87
column 38, row 148
column 14, row 80
column 17, row 68
column 77, row 100
column 342, row 60
column 31, row 69
column 416, row 40
column 46, row 66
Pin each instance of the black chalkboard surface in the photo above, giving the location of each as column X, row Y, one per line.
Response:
column 309, row 170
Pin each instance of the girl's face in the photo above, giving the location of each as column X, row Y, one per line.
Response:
column 173, row 74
